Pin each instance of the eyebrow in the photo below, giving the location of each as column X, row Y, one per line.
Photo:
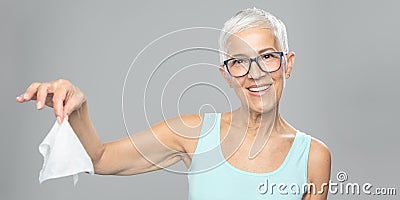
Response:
column 259, row 52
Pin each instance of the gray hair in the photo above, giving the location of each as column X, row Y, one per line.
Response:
column 252, row 17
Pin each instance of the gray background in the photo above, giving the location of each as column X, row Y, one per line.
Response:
column 343, row 89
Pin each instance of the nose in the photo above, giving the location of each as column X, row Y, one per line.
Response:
column 255, row 70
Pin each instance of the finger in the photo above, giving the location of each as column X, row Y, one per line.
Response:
column 69, row 106
column 41, row 95
column 58, row 102
column 20, row 98
column 68, row 109
column 30, row 92
column 73, row 103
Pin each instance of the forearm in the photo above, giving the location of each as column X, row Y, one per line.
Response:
column 83, row 127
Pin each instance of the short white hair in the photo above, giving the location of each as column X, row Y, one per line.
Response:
column 252, row 17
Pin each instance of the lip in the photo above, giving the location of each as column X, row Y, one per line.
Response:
column 261, row 93
column 261, row 85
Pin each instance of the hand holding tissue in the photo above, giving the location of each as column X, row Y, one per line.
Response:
column 63, row 154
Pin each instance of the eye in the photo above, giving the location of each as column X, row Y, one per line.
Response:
column 241, row 60
column 266, row 56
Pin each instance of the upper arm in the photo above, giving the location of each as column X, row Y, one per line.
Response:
column 319, row 170
column 154, row 148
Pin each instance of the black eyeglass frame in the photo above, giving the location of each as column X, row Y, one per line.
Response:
column 255, row 59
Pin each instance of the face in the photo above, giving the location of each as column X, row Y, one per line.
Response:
column 258, row 91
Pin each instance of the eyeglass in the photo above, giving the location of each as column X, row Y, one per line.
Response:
column 239, row 67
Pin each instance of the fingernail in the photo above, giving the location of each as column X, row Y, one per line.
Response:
column 59, row 119
column 18, row 97
column 38, row 105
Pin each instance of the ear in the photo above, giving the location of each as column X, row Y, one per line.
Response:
column 290, row 62
column 225, row 75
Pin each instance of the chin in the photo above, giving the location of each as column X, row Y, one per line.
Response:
column 263, row 108
column 265, row 104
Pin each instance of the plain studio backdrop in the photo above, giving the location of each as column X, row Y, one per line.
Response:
column 343, row 89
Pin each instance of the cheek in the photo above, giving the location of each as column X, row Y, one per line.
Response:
column 238, row 87
column 238, row 82
column 278, row 79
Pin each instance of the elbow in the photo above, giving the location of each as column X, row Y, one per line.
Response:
column 97, row 160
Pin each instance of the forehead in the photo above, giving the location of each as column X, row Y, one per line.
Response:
column 251, row 41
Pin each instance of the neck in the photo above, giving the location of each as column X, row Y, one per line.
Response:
column 265, row 123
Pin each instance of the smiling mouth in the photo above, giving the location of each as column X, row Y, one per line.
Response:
column 259, row 88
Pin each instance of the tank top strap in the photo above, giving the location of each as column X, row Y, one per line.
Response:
column 206, row 155
column 298, row 159
column 209, row 131
column 302, row 146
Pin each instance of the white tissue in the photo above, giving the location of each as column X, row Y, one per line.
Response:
column 63, row 154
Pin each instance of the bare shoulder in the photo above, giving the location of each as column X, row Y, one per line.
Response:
column 319, row 162
column 319, row 149
column 187, row 120
column 185, row 125
column 184, row 130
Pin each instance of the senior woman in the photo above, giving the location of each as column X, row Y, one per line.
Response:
column 247, row 153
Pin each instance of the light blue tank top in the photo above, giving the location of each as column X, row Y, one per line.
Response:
column 212, row 178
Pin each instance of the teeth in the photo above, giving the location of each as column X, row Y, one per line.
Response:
column 259, row 88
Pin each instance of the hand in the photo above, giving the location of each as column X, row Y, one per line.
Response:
column 60, row 94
